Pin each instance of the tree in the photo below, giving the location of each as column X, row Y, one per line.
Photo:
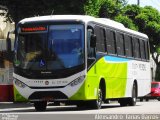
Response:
column 19, row 9
column 92, row 7
column 111, row 8
column 126, row 21
column 131, row 11
column 104, row 8
column 147, row 20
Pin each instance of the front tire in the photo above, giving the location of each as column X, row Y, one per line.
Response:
column 40, row 106
column 97, row 104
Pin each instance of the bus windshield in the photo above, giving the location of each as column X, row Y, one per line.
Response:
column 58, row 47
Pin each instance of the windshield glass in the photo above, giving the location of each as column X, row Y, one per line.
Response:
column 60, row 47
column 66, row 46
column 31, row 51
column 155, row 85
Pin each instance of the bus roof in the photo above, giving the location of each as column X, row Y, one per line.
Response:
column 85, row 19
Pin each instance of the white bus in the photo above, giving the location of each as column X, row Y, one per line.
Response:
column 80, row 60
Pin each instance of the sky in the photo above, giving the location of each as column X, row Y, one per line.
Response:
column 153, row 3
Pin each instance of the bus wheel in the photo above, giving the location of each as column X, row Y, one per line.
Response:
column 141, row 99
column 123, row 102
column 96, row 104
column 81, row 104
column 133, row 99
column 40, row 106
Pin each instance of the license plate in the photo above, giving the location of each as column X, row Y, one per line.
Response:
column 48, row 99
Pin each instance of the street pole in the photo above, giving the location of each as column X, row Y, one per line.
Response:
column 138, row 2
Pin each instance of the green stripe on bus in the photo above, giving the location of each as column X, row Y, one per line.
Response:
column 114, row 74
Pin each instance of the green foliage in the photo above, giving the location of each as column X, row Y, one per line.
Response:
column 131, row 11
column 111, row 8
column 126, row 21
column 158, row 49
column 92, row 7
column 147, row 15
column 152, row 29
column 104, row 8
column 152, row 13
column 19, row 9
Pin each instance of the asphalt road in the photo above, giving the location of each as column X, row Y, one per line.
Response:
column 25, row 111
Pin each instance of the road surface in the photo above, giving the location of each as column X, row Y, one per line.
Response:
column 143, row 110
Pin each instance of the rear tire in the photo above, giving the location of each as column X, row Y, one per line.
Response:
column 40, row 106
column 141, row 99
column 130, row 101
column 133, row 99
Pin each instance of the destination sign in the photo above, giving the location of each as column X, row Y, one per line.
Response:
column 34, row 29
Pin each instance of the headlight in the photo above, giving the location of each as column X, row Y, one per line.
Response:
column 20, row 84
column 77, row 81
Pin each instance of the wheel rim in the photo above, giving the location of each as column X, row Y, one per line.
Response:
column 99, row 100
column 134, row 94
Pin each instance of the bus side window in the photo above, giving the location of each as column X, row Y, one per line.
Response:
column 136, row 48
column 100, row 34
column 147, row 50
column 120, row 44
column 142, row 49
column 128, row 46
column 110, row 41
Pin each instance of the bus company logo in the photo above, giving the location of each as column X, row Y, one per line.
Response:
column 46, row 83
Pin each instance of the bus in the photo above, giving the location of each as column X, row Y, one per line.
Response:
column 81, row 60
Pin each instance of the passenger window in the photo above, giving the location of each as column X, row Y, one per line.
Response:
column 100, row 43
column 120, row 44
column 147, row 50
column 128, row 46
column 142, row 49
column 110, row 41
column 136, row 48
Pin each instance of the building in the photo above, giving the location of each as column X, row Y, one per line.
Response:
column 6, row 67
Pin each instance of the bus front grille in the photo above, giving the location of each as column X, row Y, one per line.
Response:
column 43, row 95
